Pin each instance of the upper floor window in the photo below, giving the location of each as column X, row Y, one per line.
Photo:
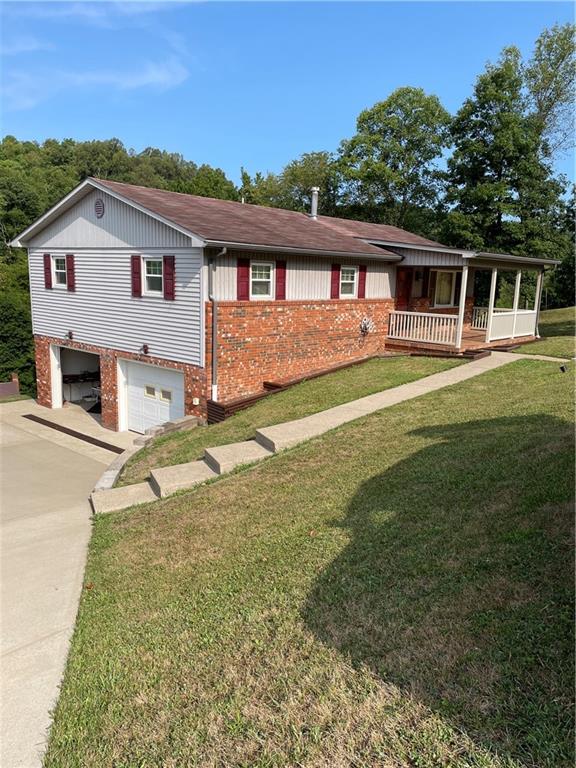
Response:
column 349, row 282
column 59, row 270
column 261, row 286
column 445, row 288
column 153, row 277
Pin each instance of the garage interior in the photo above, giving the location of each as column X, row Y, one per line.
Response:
column 81, row 379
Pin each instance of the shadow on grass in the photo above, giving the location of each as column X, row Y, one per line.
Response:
column 457, row 583
column 561, row 328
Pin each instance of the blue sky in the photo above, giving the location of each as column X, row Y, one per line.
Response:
column 252, row 84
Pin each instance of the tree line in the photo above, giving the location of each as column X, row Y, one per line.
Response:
column 480, row 179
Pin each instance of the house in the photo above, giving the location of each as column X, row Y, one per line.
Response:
column 157, row 302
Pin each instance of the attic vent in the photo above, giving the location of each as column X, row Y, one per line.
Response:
column 99, row 208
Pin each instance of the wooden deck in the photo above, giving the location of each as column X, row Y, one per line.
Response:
column 471, row 340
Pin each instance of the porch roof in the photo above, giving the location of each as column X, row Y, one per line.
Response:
column 460, row 256
column 494, row 259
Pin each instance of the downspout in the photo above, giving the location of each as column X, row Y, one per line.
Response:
column 213, row 301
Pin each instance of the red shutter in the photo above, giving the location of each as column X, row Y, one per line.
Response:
column 169, row 278
column 47, row 271
column 362, row 281
column 335, row 282
column 70, row 273
column 243, row 280
column 136, row 275
column 280, row 280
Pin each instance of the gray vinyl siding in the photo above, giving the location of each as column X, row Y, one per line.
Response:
column 102, row 311
column 417, row 258
column 121, row 226
column 380, row 280
column 308, row 277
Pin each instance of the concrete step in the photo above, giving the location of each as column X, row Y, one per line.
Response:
column 113, row 499
column 225, row 458
column 168, row 480
column 291, row 433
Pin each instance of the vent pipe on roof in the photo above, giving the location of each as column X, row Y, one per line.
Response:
column 314, row 209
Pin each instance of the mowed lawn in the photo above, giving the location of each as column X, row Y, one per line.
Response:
column 298, row 401
column 557, row 329
column 395, row 593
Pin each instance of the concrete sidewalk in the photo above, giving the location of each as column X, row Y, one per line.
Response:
column 45, row 524
column 290, row 433
column 165, row 481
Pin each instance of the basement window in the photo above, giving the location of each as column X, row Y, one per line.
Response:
column 261, row 280
column 348, row 282
column 59, row 265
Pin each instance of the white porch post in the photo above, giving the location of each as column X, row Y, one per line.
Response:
column 462, row 306
column 491, row 303
column 516, row 300
column 538, row 300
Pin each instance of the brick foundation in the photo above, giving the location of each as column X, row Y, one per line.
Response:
column 265, row 340
column 194, row 377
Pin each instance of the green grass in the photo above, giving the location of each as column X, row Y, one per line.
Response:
column 557, row 329
column 395, row 593
column 301, row 400
column 14, row 398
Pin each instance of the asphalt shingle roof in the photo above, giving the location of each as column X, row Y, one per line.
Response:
column 230, row 222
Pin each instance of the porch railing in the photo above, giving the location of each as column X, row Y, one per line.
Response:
column 426, row 327
column 479, row 318
column 507, row 324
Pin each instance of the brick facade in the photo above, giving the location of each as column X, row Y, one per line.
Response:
column 194, row 376
column 257, row 341
column 274, row 340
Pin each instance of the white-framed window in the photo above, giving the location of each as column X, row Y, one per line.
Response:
column 348, row 282
column 59, row 271
column 261, row 280
column 445, row 288
column 166, row 395
column 150, row 391
column 153, row 277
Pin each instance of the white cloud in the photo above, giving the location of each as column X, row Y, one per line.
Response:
column 25, row 90
column 102, row 13
column 25, row 44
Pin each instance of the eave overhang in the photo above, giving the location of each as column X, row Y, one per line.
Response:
column 388, row 257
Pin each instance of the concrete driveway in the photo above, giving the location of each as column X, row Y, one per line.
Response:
column 45, row 521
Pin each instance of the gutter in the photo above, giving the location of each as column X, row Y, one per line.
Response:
column 486, row 256
column 214, row 302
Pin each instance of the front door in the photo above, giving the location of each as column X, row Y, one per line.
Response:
column 403, row 287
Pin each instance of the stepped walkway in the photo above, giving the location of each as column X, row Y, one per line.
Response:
column 165, row 481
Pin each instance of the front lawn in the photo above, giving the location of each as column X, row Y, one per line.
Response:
column 557, row 329
column 396, row 593
column 14, row 398
column 298, row 401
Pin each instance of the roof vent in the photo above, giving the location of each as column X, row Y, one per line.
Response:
column 99, row 208
column 314, row 209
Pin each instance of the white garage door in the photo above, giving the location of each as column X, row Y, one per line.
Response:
column 154, row 395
